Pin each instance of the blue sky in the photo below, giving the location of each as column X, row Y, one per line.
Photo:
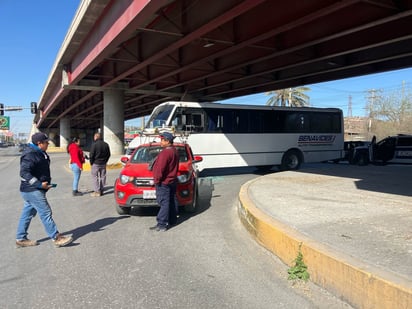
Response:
column 31, row 33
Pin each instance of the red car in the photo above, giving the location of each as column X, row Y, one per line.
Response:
column 135, row 186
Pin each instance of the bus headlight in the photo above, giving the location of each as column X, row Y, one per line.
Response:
column 183, row 178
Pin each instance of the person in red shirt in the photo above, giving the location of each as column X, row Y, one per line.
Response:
column 165, row 170
column 76, row 163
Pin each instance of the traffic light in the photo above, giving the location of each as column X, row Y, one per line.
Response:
column 33, row 107
column 1, row 109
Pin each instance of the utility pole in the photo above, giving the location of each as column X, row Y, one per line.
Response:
column 371, row 102
column 350, row 107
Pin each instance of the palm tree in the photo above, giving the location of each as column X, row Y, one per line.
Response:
column 289, row 97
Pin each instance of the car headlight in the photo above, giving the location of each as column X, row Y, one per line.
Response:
column 183, row 178
column 124, row 179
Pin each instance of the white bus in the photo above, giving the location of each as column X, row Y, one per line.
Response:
column 228, row 135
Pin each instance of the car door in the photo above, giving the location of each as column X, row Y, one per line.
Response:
column 403, row 150
column 385, row 150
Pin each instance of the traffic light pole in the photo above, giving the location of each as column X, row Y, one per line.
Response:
column 13, row 108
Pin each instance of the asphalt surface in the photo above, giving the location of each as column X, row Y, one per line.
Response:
column 354, row 224
column 207, row 261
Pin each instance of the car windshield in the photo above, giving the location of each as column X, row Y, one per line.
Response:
column 147, row 154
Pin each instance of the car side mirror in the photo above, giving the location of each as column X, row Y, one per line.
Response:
column 197, row 159
column 124, row 160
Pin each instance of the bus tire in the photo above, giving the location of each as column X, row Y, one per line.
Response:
column 291, row 161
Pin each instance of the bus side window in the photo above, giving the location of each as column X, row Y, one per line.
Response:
column 241, row 121
column 256, row 120
column 323, row 123
column 192, row 122
column 212, row 121
column 177, row 122
column 198, row 122
column 226, row 122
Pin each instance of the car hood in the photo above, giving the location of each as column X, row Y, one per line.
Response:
column 142, row 169
column 137, row 170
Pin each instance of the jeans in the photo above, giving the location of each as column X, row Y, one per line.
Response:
column 35, row 202
column 165, row 196
column 76, row 175
column 99, row 177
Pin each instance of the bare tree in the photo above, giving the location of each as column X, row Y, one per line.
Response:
column 390, row 113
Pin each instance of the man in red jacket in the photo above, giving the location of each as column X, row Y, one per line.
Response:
column 165, row 178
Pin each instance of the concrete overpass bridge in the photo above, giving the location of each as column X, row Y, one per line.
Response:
column 119, row 59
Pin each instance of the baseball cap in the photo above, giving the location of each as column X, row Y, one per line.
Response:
column 39, row 137
column 167, row 136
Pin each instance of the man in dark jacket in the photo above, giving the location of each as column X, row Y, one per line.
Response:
column 99, row 156
column 165, row 170
column 35, row 182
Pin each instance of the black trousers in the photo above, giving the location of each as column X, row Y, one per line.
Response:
column 165, row 196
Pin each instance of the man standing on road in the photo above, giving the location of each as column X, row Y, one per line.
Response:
column 165, row 170
column 99, row 156
column 35, row 182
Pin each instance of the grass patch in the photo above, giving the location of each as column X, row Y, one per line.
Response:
column 299, row 270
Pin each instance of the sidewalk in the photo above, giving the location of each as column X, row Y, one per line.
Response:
column 354, row 224
column 114, row 161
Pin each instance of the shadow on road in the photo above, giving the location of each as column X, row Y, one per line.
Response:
column 96, row 226
column 389, row 179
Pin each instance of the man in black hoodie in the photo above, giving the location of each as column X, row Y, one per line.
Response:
column 99, row 156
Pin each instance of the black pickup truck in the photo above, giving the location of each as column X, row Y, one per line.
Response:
column 350, row 147
column 391, row 149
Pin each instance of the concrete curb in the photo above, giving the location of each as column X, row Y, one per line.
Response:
column 109, row 166
column 359, row 284
column 86, row 166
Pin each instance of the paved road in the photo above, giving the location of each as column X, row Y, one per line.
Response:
column 207, row 261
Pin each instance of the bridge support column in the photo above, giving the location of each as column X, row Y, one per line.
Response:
column 64, row 132
column 113, row 120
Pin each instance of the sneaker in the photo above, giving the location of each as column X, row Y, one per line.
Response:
column 20, row 243
column 61, row 241
column 158, row 228
column 77, row 193
column 95, row 194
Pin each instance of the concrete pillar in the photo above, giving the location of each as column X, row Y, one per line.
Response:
column 52, row 139
column 64, row 132
column 113, row 120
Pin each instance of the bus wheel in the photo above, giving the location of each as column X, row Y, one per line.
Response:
column 193, row 206
column 291, row 161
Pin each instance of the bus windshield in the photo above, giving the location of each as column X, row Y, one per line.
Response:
column 160, row 116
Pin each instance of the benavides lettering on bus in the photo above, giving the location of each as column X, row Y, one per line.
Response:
column 316, row 139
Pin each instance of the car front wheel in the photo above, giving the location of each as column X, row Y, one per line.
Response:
column 193, row 206
column 122, row 210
